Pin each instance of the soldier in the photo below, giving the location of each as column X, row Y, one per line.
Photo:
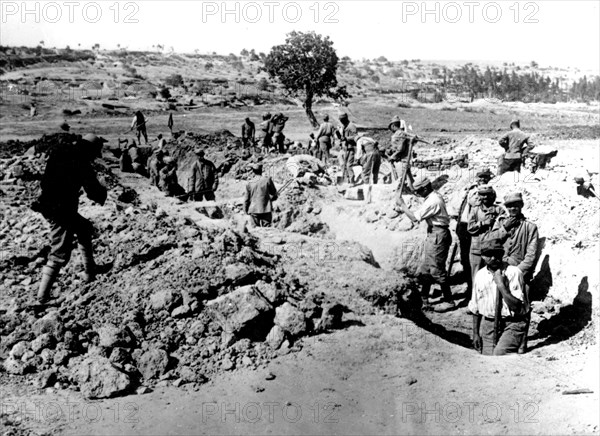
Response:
column 248, row 133
column 137, row 160
column 204, row 180
column 260, row 193
column 68, row 169
column 399, row 151
column 521, row 240
column 347, row 135
column 437, row 243
column 324, row 139
column 469, row 201
column 514, row 143
column 168, row 178
column 482, row 218
column 498, row 279
column 370, row 160
column 264, row 132
column 277, row 126
column 139, row 123
column 585, row 189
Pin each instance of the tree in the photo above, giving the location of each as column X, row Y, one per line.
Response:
column 208, row 66
column 244, row 52
column 174, row 80
column 306, row 66
column 165, row 93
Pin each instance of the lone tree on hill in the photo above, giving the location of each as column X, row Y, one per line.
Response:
column 306, row 66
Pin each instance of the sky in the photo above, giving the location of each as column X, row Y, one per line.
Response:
column 553, row 33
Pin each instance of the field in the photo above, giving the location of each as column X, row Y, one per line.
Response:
column 379, row 369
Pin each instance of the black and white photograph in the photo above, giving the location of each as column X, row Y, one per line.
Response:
column 300, row 217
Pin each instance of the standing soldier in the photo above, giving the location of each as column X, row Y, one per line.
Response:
column 400, row 149
column 469, row 201
column 277, row 126
column 498, row 326
column 204, row 180
column 482, row 218
column 264, row 132
column 370, row 160
column 521, row 239
column 248, row 133
column 139, row 123
column 170, row 123
column 437, row 243
column 324, row 139
column 514, row 143
column 68, row 169
column 347, row 135
column 260, row 193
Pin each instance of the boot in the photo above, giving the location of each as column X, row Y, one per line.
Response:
column 49, row 275
column 448, row 303
column 89, row 266
column 425, row 305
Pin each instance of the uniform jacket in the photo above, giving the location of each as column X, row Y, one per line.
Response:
column 520, row 244
column 204, row 176
column 477, row 229
column 248, row 130
column 349, row 133
column 68, row 169
column 259, row 195
column 513, row 142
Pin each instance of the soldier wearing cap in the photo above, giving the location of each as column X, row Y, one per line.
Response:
column 437, row 243
column 482, row 218
column 324, row 139
column 498, row 278
column 521, row 239
column 514, row 143
column 585, row 189
column 400, row 148
column 347, row 135
column 204, row 179
column 470, row 200
column 68, row 169
column 260, row 193
column 139, row 123
column 248, row 133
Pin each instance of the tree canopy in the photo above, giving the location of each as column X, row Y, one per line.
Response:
column 306, row 66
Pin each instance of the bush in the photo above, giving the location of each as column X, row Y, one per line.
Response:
column 263, row 84
column 174, row 80
column 208, row 66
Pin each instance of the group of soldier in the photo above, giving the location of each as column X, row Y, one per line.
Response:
column 269, row 136
column 498, row 245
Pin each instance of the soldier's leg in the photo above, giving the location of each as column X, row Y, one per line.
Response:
column 375, row 167
column 60, row 252
column 84, row 230
column 511, row 338
column 464, row 243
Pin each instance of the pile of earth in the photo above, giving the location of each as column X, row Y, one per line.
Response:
column 176, row 303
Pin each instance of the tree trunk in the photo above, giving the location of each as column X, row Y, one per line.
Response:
column 309, row 112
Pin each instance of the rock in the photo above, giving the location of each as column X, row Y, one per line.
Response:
column 19, row 349
column 97, row 378
column 49, row 323
column 227, row 364
column 119, row 357
column 47, row 356
column 271, row 292
column 153, row 363
column 275, row 337
column 143, row 390
column 178, row 382
column 331, row 318
column 290, row 319
column 181, row 311
column 61, row 357
column 27, row 356
column 46, row 379
column 246, row 361
column 187, row 374
column 162, row 300
column 45, row 340
column 241, row 312
column 238, row 274
column 270, row 376
column 112, row 336
column 13, row 366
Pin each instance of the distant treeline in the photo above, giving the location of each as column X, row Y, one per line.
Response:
column 525, row 87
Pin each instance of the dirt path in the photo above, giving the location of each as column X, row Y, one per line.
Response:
column 388, row 377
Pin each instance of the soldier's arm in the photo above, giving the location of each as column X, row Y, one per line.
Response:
column 247, row 198
column 93, row 188
column 216, row 178
column 272, row 190
column 475, row 226
column 532, row 246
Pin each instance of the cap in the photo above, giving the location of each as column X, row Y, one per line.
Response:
column 486, row 190
column 485, row 173
column 256, row 167
column 93, row 139
column 395, row 120
column 513, row 198
column 421, row 183
column 579, row 180
column 491, row 246
column 515, row 122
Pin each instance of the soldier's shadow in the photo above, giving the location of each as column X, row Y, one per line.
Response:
column 569, row 321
